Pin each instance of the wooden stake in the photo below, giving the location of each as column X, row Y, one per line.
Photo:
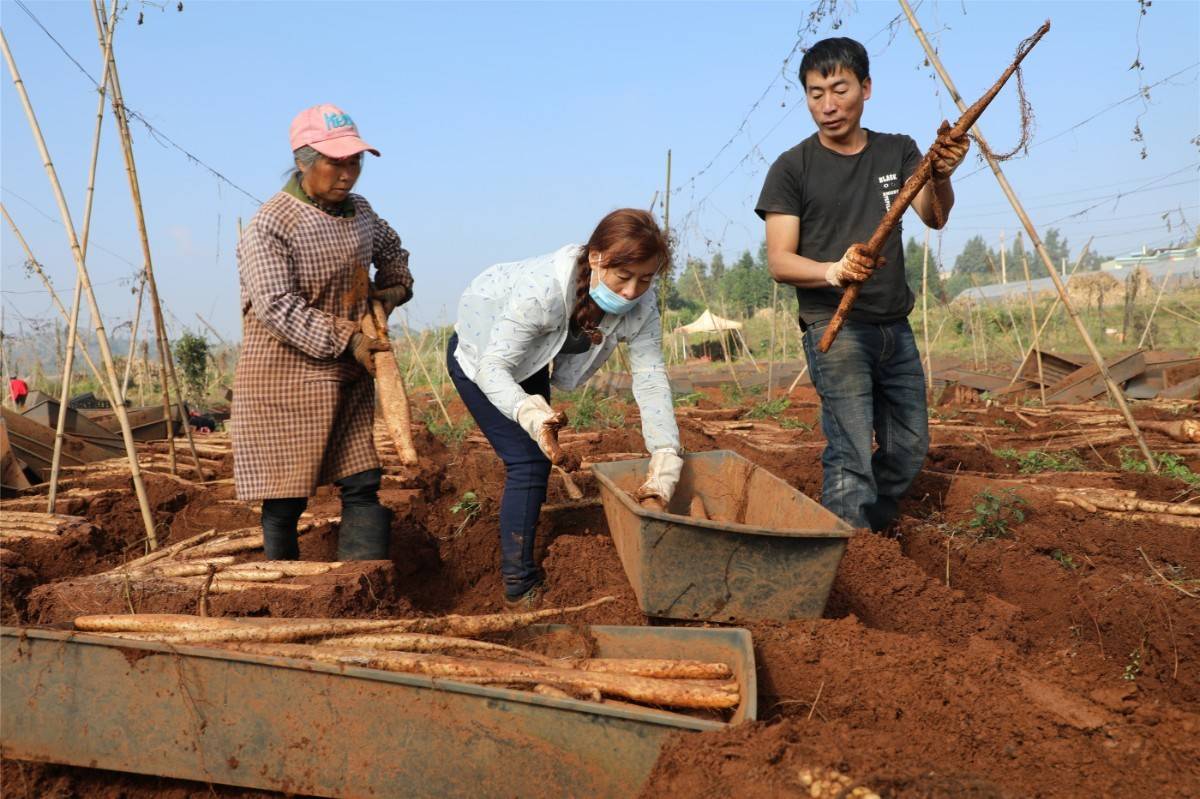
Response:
column 1012, row 320
column 1036, row 347
column 1113, row 389
column 436, row 394
column 164, row 344
column 85, row 280
column 1049, row 315
column 771, row 355
column 212, row 330
column 721, row 333
column 37, row 267
column 925, row 314
column 1154, row 310
column 73, row 321
column 137, row 321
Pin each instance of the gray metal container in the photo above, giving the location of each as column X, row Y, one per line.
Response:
column 309, row 728
column 766, row 552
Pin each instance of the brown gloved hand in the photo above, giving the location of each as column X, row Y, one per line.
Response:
column 855, row 266
column 363, row 348
column 391, row 297
column 948, row 151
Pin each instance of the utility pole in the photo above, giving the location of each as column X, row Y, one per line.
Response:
column 1003, row 262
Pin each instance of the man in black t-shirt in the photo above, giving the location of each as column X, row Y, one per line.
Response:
column 822, row 200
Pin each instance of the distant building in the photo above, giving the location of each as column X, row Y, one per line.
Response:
column 1179, row 266
column 1150, row 255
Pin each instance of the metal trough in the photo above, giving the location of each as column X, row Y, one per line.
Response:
column 766, row 552
column 314, row 729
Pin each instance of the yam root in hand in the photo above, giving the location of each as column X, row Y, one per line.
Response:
column 393, row 398
column 548, row 439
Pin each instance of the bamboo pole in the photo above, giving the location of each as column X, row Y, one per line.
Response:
column 73, row 323
column 145, row 376
column 212, row 330
column 721, row 333
column 85, row 280
column 771, row 355
column 925, row 314
column 1049, row 315
column 1113, row 389
column 1036, row 347
column 1157, row 300
column 137, row 321
column 437, row 394
column 41, row 273
column 164, row 345
column 1012, row 320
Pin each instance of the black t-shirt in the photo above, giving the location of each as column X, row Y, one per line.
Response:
column 840, row 200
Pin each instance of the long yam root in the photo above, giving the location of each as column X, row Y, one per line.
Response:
column 647, row 690
column 422, row 642
column 193, row 629
column 664, row 669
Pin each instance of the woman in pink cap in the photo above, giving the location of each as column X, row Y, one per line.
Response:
column 304, row 398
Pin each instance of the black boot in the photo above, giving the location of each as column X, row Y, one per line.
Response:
column 365, row 533
column 279, row 520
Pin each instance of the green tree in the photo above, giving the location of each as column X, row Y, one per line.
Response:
column 1056, row 247
column 747, row 286
column 716, row 272
column 973, row 259
column 694, row 272
column 192, row 353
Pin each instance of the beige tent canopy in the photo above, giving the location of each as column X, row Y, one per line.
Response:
column 708, row 322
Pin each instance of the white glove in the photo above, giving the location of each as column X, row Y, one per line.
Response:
column 662, row 476
column 532, row 413
column 855, row 266
column 542, row 424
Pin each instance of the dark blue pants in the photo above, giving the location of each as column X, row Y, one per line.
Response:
column 527, row 473
column 870, row 382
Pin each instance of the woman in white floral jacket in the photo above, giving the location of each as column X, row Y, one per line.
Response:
column 556, row 319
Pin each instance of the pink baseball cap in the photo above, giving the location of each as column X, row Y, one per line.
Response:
column 328, row 130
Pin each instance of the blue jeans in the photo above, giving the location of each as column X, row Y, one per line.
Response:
column 527, row 473
column 870, row 382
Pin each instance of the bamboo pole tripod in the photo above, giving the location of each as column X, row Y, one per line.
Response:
column 73, row 322
column 1113, row 389
column 86, row 286
column 167, row 363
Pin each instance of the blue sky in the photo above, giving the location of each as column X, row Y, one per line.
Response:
column 508, row 130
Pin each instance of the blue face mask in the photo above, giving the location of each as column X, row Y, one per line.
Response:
column 609, row 300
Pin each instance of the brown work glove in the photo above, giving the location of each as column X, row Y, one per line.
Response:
column 363, row 348
column 856, row 266
column 391, row 297
column 948, row 151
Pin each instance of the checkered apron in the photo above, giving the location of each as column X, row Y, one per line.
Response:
column 304, row 411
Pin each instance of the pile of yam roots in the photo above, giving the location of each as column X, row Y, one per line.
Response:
column 445, row 647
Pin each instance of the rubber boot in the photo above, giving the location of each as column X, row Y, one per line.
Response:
column 365, row 533
column 280, row 518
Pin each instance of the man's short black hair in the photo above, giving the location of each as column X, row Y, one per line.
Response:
column 828, row 54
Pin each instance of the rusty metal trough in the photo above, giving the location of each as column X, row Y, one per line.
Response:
column 766, row 551
column 308, row 728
